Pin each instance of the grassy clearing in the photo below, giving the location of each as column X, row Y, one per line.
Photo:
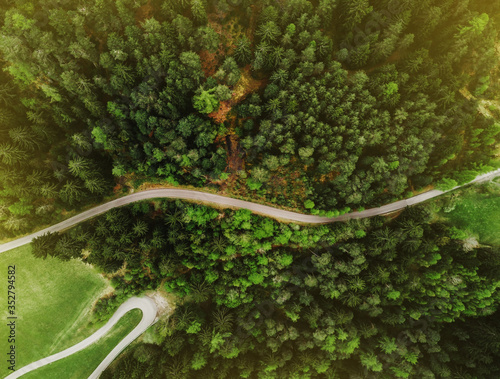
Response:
column 80, row 365
column 478, row 211
column 53, row 300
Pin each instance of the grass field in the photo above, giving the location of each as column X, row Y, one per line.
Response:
column 53, row 299
column 479, row 213
column 80, row 365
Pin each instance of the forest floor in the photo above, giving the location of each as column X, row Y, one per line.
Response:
column 53, row 303
column 83, row 363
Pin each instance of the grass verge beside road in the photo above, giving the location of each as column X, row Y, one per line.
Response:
column 477, row 210
column 53, row 300
column 81, row 364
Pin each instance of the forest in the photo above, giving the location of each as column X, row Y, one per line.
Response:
column 320, row 106
column 403, row 298
column 317, row 106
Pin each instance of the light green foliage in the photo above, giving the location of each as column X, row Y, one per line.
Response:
column 198, row 361
column 446, row 184
column 478, row 212
column 393, row 295
column 256, row 278
column 390, row 89
column 482, row 86
column 370, row 361
column 20, row 208
column 206, row 102
column 309, row 204
column 477, row 24
column 99, row 135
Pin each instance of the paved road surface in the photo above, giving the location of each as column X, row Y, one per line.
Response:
column 145, row 304
column 233, row 203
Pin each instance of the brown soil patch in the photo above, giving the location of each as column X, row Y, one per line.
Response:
column 287, row 182
column 245, row 86
column 144, row 12
column 229, row 31
column 209, row 62
column 235, row 160
column 328, row 177
column 220, row 115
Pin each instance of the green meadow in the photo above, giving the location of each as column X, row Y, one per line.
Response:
column 53, row 303
column 478, row 212
column 80, row 365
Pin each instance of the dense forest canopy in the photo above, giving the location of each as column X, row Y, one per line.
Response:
column 345, row 104
column 321, row 105
column 409, row 298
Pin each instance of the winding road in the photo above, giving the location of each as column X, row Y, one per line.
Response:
column 229, row 202
column 145, row 304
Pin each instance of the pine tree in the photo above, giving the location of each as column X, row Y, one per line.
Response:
column 44, row 245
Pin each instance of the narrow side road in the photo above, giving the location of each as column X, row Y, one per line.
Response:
column 145, row 304
column 229, row 202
